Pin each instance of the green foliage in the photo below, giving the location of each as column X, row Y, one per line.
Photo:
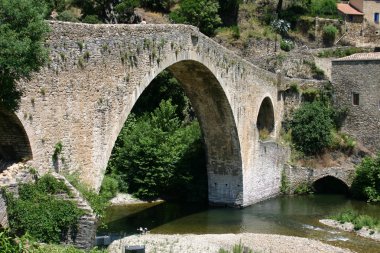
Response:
column 200, row 13
column 311, row 127
column 366, row 184
column 68, row 16
column 57, row 151
column 164, row 87
column 284, row 183
column 97, row 201
column 303, row 189
column 339, row 52
column 317, row 72
column 158, row 5
column 91, row 19
column 329, row 34
column 155, row 155
column 286, row 45
column 22, row 33
column 229, row 11
column 52, row 248
column 9, row 244
column 237, row 248
column 323, row 8
column 342, row 141
column 359, row 221
column 125, row 10
column 39, row 212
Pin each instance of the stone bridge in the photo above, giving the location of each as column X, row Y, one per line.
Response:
column 95, row 75
column 321, row 180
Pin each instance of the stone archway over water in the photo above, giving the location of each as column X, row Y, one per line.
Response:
column 218, row 127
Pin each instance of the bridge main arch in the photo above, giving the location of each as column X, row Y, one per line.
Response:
column 213, row 110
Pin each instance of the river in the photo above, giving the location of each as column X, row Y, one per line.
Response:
column 286, row 215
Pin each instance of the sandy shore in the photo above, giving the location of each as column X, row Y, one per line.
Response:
column 347, row 226
column 213, row 242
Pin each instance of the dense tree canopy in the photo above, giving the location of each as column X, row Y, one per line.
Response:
column 200, row 13
column 22, row 32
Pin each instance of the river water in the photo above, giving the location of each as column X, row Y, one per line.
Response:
column 288, row 215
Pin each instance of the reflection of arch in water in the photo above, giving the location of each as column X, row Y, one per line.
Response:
column 265, row 119
column 330, row 184
column 14, row 142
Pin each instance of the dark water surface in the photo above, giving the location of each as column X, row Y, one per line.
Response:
column 295, row 216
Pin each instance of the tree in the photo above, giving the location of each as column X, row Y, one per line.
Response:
column 155, row 155
column 200, row 13
column 22, row 33
column 158, row 5
column 311, row 127
column 366, row 184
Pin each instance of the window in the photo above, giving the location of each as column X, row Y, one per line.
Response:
column 350, row 18
column 355, row 98
column 376, row 17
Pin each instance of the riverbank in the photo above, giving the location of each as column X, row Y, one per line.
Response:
column 210, row 243
column 122, row 199
column 348, row 226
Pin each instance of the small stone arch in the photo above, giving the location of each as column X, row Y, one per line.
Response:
column 14, row 142
column 265, row 118
column 330, row 184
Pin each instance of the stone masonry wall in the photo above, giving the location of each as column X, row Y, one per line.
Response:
column 362, row 77
column 297, row 176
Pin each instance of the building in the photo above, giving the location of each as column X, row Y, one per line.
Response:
column 361, row 11
column 356, row 80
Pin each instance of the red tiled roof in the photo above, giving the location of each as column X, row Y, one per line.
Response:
column 361, row 57
column 348, row 9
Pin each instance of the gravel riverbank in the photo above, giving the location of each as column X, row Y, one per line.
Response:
column 211, row 243
column 122, row 199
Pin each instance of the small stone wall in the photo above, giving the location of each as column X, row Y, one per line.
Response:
column 17, row 174
column 296, row 176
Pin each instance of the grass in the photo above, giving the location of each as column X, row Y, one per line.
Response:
column 358, row 220
column 264, row 134
column 237, row 248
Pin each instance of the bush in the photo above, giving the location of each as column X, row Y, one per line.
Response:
column 91, row 19
column 286, row 45
column 39, row 212
column 67, row 16
column 329, row 34
column 311, row 127
column 200, row 13
column 303, row 189
column 359, row 221
column 366, row 184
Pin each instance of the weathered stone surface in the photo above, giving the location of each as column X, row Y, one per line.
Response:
column 97, row 73
column 296, row 176
column 361, row 77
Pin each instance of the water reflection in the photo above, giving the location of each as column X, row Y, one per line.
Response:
column 296, row 216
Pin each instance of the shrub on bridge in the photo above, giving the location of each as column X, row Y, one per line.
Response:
column 40, row 213
column 311, row 127
column 366, row 184
column 329, row 34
